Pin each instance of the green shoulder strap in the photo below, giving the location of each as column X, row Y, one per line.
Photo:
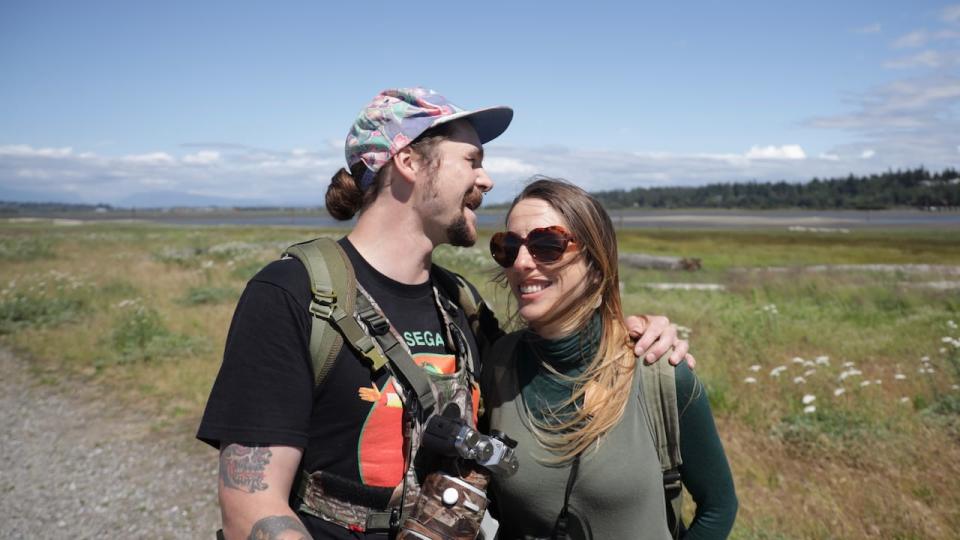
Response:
column 335, row 300
column 330, row 271
column 334, row 288
column 660, row 396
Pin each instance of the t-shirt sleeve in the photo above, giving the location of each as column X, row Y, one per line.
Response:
column 705, row 471
column 264, row 391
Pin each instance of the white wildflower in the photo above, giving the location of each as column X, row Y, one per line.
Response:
column 809, row 372
column 955, row 387
column 755, row 367
column 946, row 339
column 808, row 399
column 865, row 383
column 775, row 372
column 823, row 360
column 838, row 392
column 904, row 400
column 924, row 359
column 850, row 373
column 877, row 381
column 810, row 409
column 848, row 364
column 750, row 380
column 799, row 380
column 797, row 360
column 899, row 376
column 943, row 350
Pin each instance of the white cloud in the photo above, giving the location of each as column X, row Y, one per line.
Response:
column 874, row 28
column 501, row 165
column 271, row 177
column 155, row 182
column 203, row 157
column 153, row 158
column 242, row 173
column 929, row 58
column 787, row 151
column 867, row 154
column 604, row 170
column 916, row 38
column 951, row 14
column 26, row 150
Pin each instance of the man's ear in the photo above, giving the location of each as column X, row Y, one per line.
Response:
column 407, row 163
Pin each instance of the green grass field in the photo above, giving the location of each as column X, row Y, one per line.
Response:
column 836, row 390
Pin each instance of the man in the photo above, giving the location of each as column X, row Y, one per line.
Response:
column 416, row 176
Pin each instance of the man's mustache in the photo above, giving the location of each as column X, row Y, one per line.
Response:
column 473, row 199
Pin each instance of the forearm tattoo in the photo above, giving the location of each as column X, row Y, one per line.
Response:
column 243, row 467
column 278, row 528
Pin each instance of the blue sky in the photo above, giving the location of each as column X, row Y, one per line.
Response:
column 250, row 101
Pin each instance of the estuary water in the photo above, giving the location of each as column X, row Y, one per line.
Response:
column 631, row 218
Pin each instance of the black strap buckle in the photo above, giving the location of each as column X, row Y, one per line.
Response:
column 376, row 322
column 672, row 483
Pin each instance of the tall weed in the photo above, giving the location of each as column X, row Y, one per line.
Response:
column 52, row 299
column 26, row 248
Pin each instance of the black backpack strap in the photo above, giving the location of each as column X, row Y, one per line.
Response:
column 483, row 322
column 560, row 526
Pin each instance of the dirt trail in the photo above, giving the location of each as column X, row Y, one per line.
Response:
column 77, row 466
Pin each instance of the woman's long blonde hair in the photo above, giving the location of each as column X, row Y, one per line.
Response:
column 609, row 373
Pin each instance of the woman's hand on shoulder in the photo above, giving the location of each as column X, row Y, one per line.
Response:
column 655, row 335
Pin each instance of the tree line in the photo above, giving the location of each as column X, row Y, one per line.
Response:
column 917, row 188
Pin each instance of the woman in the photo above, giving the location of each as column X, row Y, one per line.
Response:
column 568, row 389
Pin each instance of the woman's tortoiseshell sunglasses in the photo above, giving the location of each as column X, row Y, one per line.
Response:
column 545, row 245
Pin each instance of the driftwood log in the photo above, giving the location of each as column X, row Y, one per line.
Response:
column 659, row 262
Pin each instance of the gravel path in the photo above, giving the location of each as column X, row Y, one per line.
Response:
column 77, row 466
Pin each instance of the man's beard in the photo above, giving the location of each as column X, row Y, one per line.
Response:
column 459, row 233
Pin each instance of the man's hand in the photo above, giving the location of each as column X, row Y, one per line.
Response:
column 655, row 335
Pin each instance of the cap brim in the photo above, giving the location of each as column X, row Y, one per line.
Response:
column 490, row 123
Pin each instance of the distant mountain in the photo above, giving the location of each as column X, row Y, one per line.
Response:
column 23, row 196
column 167, row 199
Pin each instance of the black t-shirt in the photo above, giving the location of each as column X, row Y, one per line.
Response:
column 350, row 426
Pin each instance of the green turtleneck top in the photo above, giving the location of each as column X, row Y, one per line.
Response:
column 705, row 471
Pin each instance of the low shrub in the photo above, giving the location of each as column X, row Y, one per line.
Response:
column 208, row 295
column 140, row 335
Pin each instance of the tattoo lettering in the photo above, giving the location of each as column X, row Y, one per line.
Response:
column 278, row 528
column 242, row 467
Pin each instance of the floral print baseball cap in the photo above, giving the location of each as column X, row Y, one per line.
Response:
column 397, row 116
